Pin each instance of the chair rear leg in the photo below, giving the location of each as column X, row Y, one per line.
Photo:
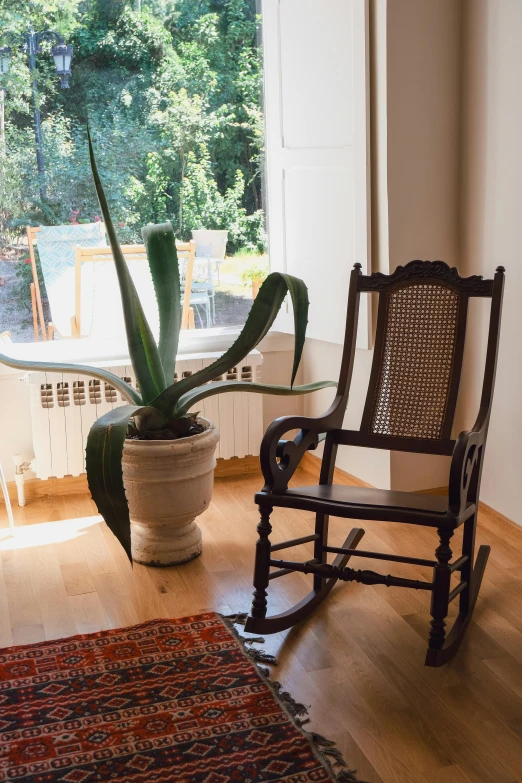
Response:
column 441, row 589
column 262, row 565
column 468, row 548
column 321, row 530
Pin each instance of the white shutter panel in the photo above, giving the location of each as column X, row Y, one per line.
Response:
column 316, row 88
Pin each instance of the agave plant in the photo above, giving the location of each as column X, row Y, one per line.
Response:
column 161, row 403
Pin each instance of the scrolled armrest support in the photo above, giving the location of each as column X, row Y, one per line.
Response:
column 280, row 458
column 465, row 460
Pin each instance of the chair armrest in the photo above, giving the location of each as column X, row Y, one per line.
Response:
column 464, row 462
column 280, row 458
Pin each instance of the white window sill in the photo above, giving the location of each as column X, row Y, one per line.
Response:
column 220, row 339
column 104, row 352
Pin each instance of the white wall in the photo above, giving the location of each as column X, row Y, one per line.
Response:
column 322, row 360
column 492, row 224
column 423, row 63
column 15, row 421
column 415, row 93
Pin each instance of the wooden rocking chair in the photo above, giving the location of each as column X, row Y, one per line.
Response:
column 410, row 407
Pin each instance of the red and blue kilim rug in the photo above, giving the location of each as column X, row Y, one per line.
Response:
column 168, row 700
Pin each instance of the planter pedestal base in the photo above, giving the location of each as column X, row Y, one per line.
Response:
column 154, row 549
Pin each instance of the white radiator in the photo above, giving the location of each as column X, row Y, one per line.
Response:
column 63, row 408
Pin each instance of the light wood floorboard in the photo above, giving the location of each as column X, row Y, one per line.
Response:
column 358, row 661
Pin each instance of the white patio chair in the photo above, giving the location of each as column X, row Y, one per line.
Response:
column 211, row 246
column 56, row 250
column 210, row 242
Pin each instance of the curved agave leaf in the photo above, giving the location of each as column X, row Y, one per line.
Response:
column 143, row 350
column 104, row 473
column 261, row 317
column 160, row 242
column 192, row 397
column 95, row 372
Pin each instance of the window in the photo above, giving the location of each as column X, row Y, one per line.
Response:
column 172, row 93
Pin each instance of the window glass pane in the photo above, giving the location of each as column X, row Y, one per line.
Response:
column 172, row 93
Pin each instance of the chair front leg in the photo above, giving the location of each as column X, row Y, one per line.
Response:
column 441, row 590
column 262, row 564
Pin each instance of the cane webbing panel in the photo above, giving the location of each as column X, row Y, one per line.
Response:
column 416, row 361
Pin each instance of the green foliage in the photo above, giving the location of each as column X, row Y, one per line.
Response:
column 136, row 41
column 160, row 403
column 204, row 205
column 173, row 98
column 21, row 291
column 254, row 273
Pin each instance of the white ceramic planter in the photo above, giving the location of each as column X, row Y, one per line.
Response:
column 168, row 484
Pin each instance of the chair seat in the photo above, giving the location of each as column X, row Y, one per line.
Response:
column 367, row 503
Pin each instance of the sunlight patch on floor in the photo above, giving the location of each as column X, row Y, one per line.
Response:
column 27, row 536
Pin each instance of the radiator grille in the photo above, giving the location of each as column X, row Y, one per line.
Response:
column 46, row 395
column 95, row 396
column 62, row 394
column 79, row 393
column 111, row 395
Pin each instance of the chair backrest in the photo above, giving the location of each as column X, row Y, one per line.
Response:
column 211, row 243
column 97, row 303
column 56, row 249
column 419, row 345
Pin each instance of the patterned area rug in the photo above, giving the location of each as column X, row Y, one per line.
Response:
column 168, row 700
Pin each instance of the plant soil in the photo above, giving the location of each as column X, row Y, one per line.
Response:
column 192, row 428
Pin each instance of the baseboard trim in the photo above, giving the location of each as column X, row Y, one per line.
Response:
column 497, row 515
column 237, row 466
column 51, row 487
column 76, row 485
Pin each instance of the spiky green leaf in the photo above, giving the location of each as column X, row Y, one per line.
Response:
column 143, row 350
column 104, row 472
column 218, row 387
column 160, row 242
column 261, row 317
column 126, row 389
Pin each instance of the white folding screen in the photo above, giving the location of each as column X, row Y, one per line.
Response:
column 316, row 96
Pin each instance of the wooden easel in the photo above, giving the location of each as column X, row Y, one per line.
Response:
column 36, row 297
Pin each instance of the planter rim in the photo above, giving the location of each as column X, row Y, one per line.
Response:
column 211, row 427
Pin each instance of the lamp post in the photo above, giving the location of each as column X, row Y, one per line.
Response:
column 62, row 55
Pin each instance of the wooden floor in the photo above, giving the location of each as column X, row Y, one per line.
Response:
column 358, row 662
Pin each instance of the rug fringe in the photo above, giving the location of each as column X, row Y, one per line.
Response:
column 236, row 619
column 324, row 748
